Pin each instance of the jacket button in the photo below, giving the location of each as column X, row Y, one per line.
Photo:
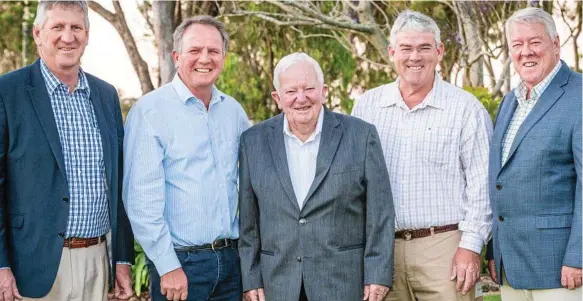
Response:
column 66, row 199
column 299, row 259
column 501, row 218
column 303, row 221
column 61, row 234
column 498, row 186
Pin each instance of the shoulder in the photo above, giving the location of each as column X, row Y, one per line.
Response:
column 15, row 78
column 352, row 122
column 460, row 98
column 259, row 130
column 375, row 95
column 153, row 98
column 98, row 82
column 231, row 102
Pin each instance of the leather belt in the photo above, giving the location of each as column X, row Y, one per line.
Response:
column 217, row 244
column 420, row 233
column 75, row 242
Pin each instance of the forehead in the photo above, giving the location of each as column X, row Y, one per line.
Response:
column 414, row 38
column 203, row 36
column 300, row 72
column 60, row 14
column 523, row 30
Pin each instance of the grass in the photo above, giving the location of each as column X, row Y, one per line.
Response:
column 492, row 298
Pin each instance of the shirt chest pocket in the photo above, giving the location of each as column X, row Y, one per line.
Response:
column 440, row 145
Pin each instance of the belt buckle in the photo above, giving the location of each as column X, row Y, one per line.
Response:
column 408, row 235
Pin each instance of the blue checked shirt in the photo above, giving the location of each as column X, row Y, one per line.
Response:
column 83, row 154
column 181, row 171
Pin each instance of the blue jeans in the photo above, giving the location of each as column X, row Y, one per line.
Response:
column 213, row 275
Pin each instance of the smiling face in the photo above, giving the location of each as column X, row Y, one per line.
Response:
column 300, row 94
column 534, row 53
column 201, row 59
column 415, row 56
column 61, row 40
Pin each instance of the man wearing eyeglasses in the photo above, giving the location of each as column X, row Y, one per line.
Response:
column 435, row 139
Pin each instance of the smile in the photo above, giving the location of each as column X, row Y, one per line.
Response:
column 529, row 64
column 303, row 109
column 200, row 70
column 415, row 68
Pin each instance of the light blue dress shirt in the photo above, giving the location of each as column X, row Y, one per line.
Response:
column 180, row 170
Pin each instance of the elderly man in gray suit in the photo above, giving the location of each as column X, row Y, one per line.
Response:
column 316, row 211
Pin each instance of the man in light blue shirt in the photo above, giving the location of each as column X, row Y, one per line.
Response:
column 180, row 172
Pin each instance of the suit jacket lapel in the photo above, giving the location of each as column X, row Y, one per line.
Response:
column 41, row 102
column 329, row 141
column 95, row 98
column 277, row 147
column 502, row 124
column 553, row 92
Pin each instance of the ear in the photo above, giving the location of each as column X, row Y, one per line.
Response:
column 557, row 46
column 440, row 52
column 175, row 57
column 324, row 93
column 275, row 96
column 391, row 53
column 36, row 35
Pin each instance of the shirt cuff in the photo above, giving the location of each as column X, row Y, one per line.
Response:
column 167, row 263
column 4, row 268
column 472, row 242
column 123, row 262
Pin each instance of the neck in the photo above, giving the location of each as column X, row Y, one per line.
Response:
column 302, row 130
column 69, row 77
column 414, row 95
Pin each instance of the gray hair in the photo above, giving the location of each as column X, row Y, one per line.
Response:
column 204, row 20
column 531, row 15
column 414, row 21
column 46, row 5
column 292, row 59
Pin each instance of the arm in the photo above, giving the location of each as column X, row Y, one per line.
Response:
column 380, row 215
column 125, row 237
column 475, row 145
column 573, row 253
column 144, row 190
column 249, row 239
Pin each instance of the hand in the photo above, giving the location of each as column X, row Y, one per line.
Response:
column 492, row 268
column 375, row 292
column 8, row 290
column 570, row 277
column 123, row 282
column 174, row 285
column 254, row 295
column 466, row 268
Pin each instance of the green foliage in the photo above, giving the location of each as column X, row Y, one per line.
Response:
column 140, row 276
column 492, row 298
column 11, row 20
column 490, row 103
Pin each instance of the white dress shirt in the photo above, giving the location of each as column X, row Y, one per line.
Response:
column 302, row 157
column 437, row 158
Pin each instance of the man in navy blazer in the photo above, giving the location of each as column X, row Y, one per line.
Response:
column 61, row 139
column 535, row 169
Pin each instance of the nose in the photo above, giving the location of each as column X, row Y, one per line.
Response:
column 204, row 57
column 301, row 96
column 68, row 36
column 525, row 50
column 415, row 55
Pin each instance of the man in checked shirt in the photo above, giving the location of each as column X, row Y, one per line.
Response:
column 435, row 139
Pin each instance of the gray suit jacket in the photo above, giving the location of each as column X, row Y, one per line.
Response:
column 536, row 194
column 343, row 236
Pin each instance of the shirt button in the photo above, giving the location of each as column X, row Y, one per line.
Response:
column 499, row 186
column 299, row 259
column 303, row 221
column 501, row 218
column 61, row 234
column 66, row 199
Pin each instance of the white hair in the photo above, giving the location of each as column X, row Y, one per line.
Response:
column 46, row 5
column 292, row 59
column 414, row 21
column 532, row 15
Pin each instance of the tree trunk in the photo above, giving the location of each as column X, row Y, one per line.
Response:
column 163, row 21
column 474, row 69
column 118, row 21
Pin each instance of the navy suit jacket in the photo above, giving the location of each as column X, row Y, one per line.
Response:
column 536, row 194
column 34, row 194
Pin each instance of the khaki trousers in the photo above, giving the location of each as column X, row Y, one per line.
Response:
column 509, row 293
column 423, row 269
column 82, row 275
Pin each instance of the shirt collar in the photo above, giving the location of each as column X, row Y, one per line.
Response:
column 319, row 124
column 184, row 94
column 52, row 82
column 392, row 95
column 537, row 90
